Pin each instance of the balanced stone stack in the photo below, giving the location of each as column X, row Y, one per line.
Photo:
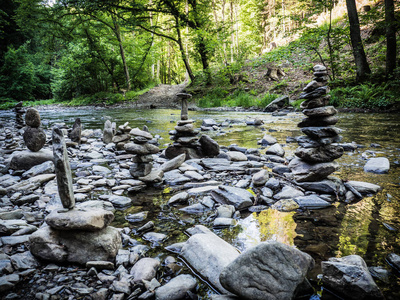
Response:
column 72, row 234
column 143, row 150
column 76, row 133
column 34, row 136
column 10, row 144
column 19, row 112
column 109, row 131
column 316, row 154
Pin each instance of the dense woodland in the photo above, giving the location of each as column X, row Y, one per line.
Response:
column 81, row 51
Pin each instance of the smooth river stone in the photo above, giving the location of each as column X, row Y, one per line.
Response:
column 270, row 270
column 78, row 219
column 321, row 132
column 141, row 149
column 318, row 121
column 63, row 169
column 34, row 138
column 377, row 165
column 320, row 111
column 137, row 132
column 304, row 171
column 320, row 154
column 32, row 118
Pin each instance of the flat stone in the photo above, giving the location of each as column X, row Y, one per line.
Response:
column 120, row 202
column 236, row 156
column 318, row 92
column 324, row 111
column 377, row 165
column 288, row 192
column 239, row 198
column 304, row 171
column 314, row 103
column 321, row 132
column 137, row 132
column 173, row 163
column 285, row 205
column 318, row 121
column 321, row 154
column 24, row 160
column 311, row 202
column 365, row 187
column 24, row 261
column 275, row 149
column 78, row 219
column 143, row 149
column 268, row 140
column 177, row 288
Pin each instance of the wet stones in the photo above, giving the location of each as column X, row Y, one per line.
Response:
column 75, row 134
column 143, row 150
column 316, row 154
column 108, row 132
column 34, row 136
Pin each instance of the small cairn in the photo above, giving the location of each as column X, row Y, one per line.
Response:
column 76, row 133
column 109, row 132
column 74, row 234
column 316, row 154
column 184, row 136
column 10, row 144
column 19, row 112
column 34, row 136
column 143, row 150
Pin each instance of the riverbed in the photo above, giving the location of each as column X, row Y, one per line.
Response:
column 369, row 228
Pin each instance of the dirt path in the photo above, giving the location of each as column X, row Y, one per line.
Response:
column 161, row 96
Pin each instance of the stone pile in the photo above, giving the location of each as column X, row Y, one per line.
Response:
column 76, row 133
column 76, row 235
column 317, row 152
column 108, row 132
column 10, row 144
column 143, row 151
column 19, row 112
column 34, row 136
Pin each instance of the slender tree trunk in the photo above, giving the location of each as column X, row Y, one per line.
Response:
column 358, row 50
column 232, row 34
column 182, row 50
column 122, row 52
column 333, row 67
column 390, row 37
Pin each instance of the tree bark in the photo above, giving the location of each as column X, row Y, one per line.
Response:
column 390, row 37
column 355, row 35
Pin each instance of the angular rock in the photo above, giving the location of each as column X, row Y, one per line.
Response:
column 278, row 103
column 285, row 205
column 321, row 91
column 288, row 192
column 260, row 178
column 236, row 156
column 311, row 202
column 75, row 246
column 144, row 269
column 174, row 163
column 239, row 198
column 79, row 219
column 143, row 149
column 208, row 255
column 270, row 270
column 349, row 276
column 108, row 132
column 321, row 154
column 76, row 132
column 275, row 149
column 268, row 140
column 24, row 160
column 137, row 132
column 209, row 147
column 314, row 103
column 304, row 171
column 318, row 121
column 320, row 132
column 365, row 187
column 324, row 111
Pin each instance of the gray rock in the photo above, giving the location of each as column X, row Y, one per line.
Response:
column 8, row 227
column 304, row 171
column 324, row 111
column 225, row 211
column 121, row 138
column 120, row 202
column 32, row 117
column 319, row 68
column 155, row 237
column 208, row 255
column 209, row 147
column 236, row 156
column 239, row 198
column 320, row 154
column 24, row 160
column 14, row 240
column 178, row 198
column 278, row 103
column 349, row 276
column 100, row 265
column 224, row 222
column 318, row 121
column 311, row 86
column 63, row 169
column 143, row 149
column 144, row 269
column 288, row 192
column 140, row 169
column 268, row 140
column 176, row 288
column 311, row 202
column 326, row 186
column 194, row 208
column 321, row 132
column 276, row 149
column 314, row 103
column 377, row 165
column 174, row 163
column 260, row 178
column 75, row 134
column 24, row 261
column 318, row 92
column 175, row 177
column 271, row 270
column 156, row 175
column 364, row 187
column 44, row 168
column 137, row 132
column 285, row 205
column 209, row 123
column 79, row 219
column 137, row 217
column 108, row 132
column 75, row 246
column 34, row 138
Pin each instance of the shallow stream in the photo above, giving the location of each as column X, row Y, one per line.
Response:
column 369, row 228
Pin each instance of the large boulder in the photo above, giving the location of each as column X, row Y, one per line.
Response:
column 270, row 270
column 176, row 288
column 278, row 103
column 304, row 171
column 209, row 147
column 208, row 255
column 349, row 277
column 75, row 246
column 34, row 138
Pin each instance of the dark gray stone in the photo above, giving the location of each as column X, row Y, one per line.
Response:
column 209, row 147
column 320, row 154
column 75, row 134
column 32, row 118
column 278, row 103
column 34, row 138
column 239, row 198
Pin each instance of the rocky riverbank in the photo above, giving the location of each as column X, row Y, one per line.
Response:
column 229, row 185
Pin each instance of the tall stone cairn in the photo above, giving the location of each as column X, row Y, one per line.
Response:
column 317, row 151
column 19, row 111
column 34, row 136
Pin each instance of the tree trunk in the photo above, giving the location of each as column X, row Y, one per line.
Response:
column 182, row 50
column 390, row 37
column 358, row 50
column 122, row 52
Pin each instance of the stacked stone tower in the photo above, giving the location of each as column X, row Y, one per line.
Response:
column 19, row 112
column 316, row 154
column 34, row 136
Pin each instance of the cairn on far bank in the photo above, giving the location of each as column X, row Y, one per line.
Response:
column 317, row 152
column 34, row 136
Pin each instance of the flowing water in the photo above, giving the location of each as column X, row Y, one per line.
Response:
column 369, row 228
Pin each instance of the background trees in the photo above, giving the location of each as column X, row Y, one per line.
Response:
column 68, row 48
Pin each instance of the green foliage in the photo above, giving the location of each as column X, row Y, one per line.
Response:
column 367, row 96
column 297, row 103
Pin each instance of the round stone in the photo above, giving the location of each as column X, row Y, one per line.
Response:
column 34, row 138
column 32, row 118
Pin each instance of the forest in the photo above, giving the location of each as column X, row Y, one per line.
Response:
column 80, row 52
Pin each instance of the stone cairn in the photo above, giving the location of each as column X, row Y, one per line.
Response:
column 76, row 133
column 143, row 151
column 10, row 144
column 184, row 136
column 316, row 154
column 108, row 132
column 34, row 136
column 75, row 235
column 19, row 112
